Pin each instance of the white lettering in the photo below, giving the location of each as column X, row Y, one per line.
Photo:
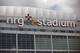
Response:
column 21, row 21
column 39, row 22
column 63, row 23
column 55, row 23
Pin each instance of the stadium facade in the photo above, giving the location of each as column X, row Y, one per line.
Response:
column 35, row 30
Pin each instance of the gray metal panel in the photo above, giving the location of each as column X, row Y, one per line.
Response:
column 18, row 11
column 2, row 10
column 10, row 11
column 32, row 11
column 25, row 11
column 39, row 13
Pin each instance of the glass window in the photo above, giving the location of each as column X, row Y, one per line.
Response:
column 3, row 28
column 70, row 31
column 74, row 43
column 25, row 41
column 60, row 42
column 7, row 41
column 7, row 52
column 77, row 31
column 75, row 52
column 43, row 42
column 55, row 30
column 26, row 52
column 62, row 31
column 42, row 30
column 2, row 21
column 43, row 52
column 60, row 52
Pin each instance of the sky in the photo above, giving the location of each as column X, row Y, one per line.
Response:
column 67, row 6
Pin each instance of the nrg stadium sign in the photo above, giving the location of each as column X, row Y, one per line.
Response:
column 29, row 20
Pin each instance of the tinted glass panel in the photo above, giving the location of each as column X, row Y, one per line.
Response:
column 7, row 52
column 43, row 42
column 26, row 52
column 43, row 52
column 59, row 42
column 25, row 41
column 7, row 41
column 60, row 52
column 74, row 43
column 74, row 52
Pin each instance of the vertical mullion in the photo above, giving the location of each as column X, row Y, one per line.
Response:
column 51, row 43
column 16, row 43
column 67, row 41
column 35, row 43
column 68, row 44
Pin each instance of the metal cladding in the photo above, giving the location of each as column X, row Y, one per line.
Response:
column 35, row 12
column 42, row 16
